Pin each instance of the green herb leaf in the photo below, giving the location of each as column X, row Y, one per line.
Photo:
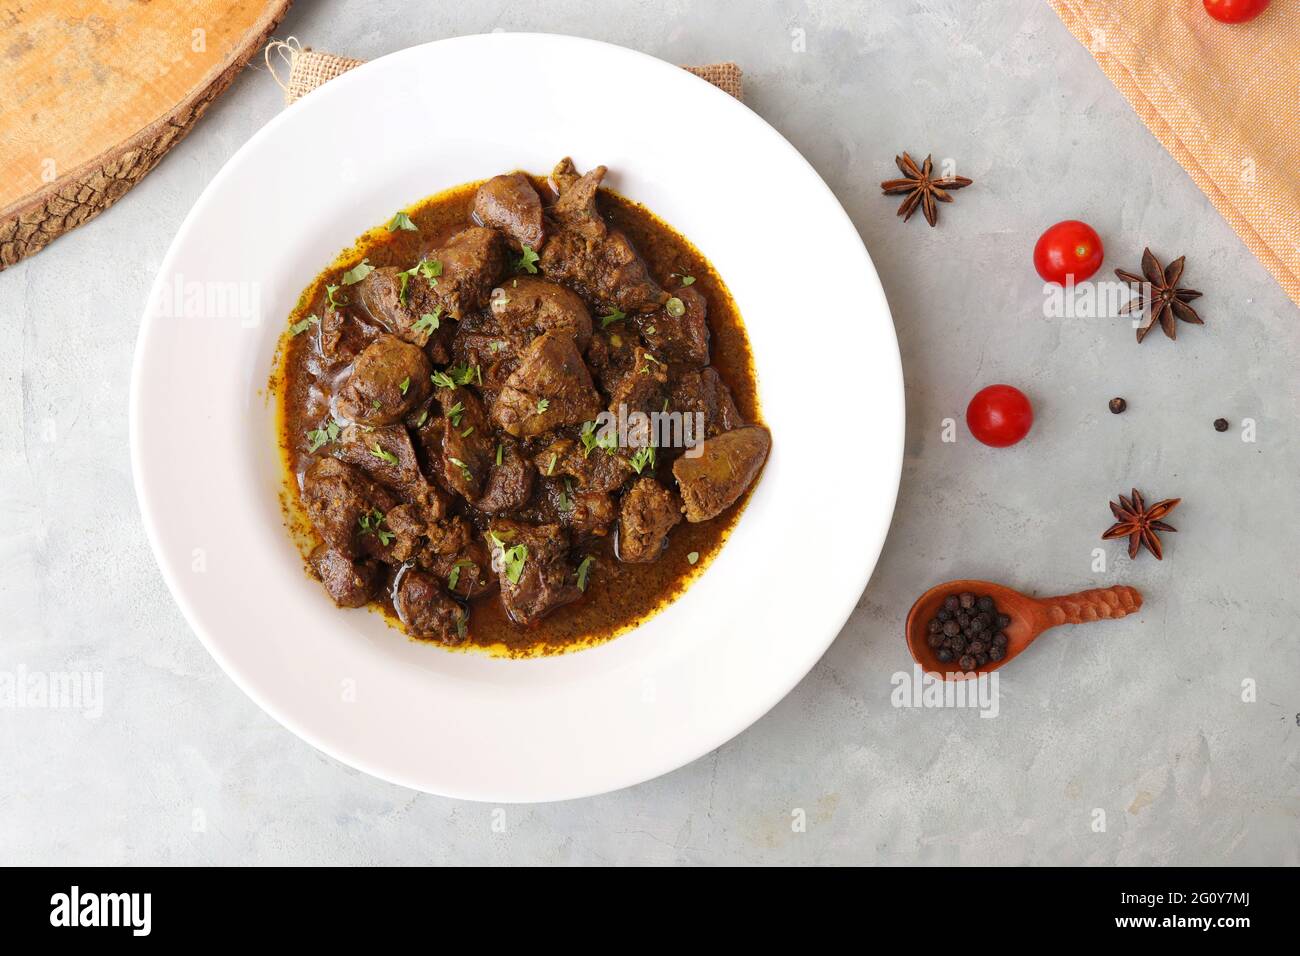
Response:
column 643, row 457
column 318, row 437
column 329, row 295
column 462, row 625
column 464, row 468
column 607, row 439
column 384, row 455
column 584, row 569
column 358, row 272
column 528, row 263
column 649, row 330
column 428, row 322
column 424, row 417
column 686, row 280
column 498, row 454
column 513, row 560
column 566, row 497
column 607, row 320
column 675, row 307
column 467, row 432
column 455, row 413
column 406, row 383
column 550, row 469
column 402, row 221
column 543, row 405
column 693, row 557
column 454, row 577
column 300, row 327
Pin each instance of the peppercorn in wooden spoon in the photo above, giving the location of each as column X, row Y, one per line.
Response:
column 1016, row 618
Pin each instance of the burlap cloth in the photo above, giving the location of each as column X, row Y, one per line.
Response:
column 310, row 68
column 1222, row 98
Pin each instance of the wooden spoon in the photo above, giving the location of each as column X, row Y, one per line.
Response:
column 1029, row 618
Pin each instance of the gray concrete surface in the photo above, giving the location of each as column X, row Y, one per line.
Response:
column 1169, row 738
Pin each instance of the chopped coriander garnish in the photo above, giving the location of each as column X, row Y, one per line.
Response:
column 467, row 432
column 402, row 221
column 322, row 436
column 528, row 263
column 428, row 322
column 686, row 280
column 693, row 557
column 608, row 439
column 550, row 469
column 543, row 405
column 512, row 560
column 370, row 524
column 384, row 455
column 424, row 417
column 454, row 375
column 464, row 468
column 431, row 269
column 300, row 327
column 455, row 413
column 675, row 307
column 462, row 625
column 496, row 345
column 498, row 453
column 584, row 569
column 454, row 577
column 607, row 320
column 329, row 295
column 566, row 497
column 644, row 456
column 406, row 383
column 649, row 330
column 358, row 272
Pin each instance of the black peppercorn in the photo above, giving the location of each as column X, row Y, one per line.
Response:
column 934, row 639
column 997, row 652
column 1004, row 620
column 958, row 643
column 966, row 600
column 978, row 647
column 999, row 639
column 966, row 663
column 951, row 628
column 976, row 626
column 935, row 626
column 1220, row 424
column 944, row 655
column 963, row 619
column 985, row 604
column 1118, row 405
column 981, row 659
column 951, row 603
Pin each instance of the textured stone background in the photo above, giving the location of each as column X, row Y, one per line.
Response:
column 1142, row 719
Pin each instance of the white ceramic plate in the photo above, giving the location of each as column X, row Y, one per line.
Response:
column 467, row 725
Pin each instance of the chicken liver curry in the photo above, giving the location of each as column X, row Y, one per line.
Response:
column 520, row 416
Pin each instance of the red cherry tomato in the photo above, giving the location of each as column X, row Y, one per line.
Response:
column 1235, row 11
column 999, row 415
column 1069, row 248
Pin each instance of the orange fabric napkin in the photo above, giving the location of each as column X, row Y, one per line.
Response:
column 1224, row 99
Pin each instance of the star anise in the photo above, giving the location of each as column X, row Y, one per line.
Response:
column 1167, row 300
column 1137, row 522
column 921, row 188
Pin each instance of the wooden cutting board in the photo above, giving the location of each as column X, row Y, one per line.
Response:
column 93, row 95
